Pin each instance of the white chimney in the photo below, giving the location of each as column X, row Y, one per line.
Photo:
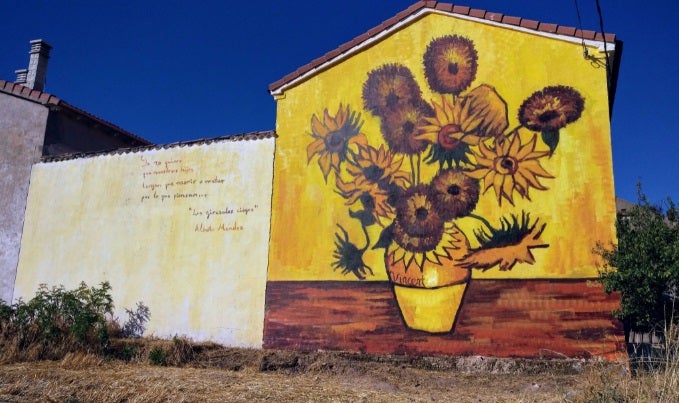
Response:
column 21, row 76
column 34, row 78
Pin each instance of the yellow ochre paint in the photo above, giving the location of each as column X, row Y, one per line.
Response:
column 578, row 207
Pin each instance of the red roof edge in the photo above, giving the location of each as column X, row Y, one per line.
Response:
column 450, row 8
column 50, row 100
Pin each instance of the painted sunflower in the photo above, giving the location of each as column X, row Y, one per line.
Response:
column 454, row 194
column 373, row 199
column 333, row 138
column 551, row 108
column 509, row 166
column 450, row 64
column 513, row 242
column 415, row 213
column 400, row 129
column 389, row 88
column 458, row 124
column 378, row 167
column 450, row 243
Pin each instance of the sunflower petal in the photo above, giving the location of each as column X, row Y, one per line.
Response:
column 429, row 136
column 324, row 163
column 317, row 127
column 329, row 121
column 315, row 147
column 359, row 140
column 535, row 168
column 486, row 103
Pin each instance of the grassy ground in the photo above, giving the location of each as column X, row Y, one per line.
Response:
column 217, row 374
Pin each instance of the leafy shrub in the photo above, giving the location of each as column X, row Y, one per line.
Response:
column 158, row 356
column 56, row 321
column 644, row 264
column 135, row 325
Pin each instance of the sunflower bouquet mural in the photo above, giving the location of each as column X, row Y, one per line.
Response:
column 428, row 167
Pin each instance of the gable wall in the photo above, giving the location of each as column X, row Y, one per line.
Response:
column 575, row 199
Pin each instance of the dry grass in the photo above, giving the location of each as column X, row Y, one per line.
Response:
column 209, row 372
column 117, row 382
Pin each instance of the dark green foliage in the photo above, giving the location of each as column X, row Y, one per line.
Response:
column 551, row 138
column 348, row 257
column 136, row 321
column 644, row 265
column 57, row 320
column 510, row 232
column 454, row 157
column 157, row 356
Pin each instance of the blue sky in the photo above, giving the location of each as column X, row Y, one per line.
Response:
column 179, row 70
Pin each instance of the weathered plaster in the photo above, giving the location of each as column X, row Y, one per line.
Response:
column 22, row 129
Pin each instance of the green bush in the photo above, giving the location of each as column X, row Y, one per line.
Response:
column 644, row 264
column 56, row 321
column 158, row 356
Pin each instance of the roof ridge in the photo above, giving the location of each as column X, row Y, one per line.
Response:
column 27, row 93
column 248, row 136
column 449, row 8
column 48, row 99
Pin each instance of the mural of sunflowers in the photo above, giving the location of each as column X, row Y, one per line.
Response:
column 430, row 164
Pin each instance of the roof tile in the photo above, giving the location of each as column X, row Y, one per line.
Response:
column 333, row 53
column 478, row 13
column 565, row 30
column 606, row 38
column 461, row 10
column 586, row 34
column 447, row 7
column 507, row 19
column 44, row 97
column 375, row 30
column 497, row 17
column 544, row 27
column 414, row 7
column 530, row 24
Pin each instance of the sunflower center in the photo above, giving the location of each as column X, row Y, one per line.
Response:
column 548, row 116
column 421, row 214
column 444, row 138
column 392, row 100
column 454, row 190
column 373, row 173
column 508, row 165
column 408, row 127
column 453, row 68
column 334, row 141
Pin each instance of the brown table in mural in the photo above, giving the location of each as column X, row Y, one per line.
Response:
column 507, row 318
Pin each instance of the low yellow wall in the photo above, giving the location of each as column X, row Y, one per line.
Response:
column 184, row 229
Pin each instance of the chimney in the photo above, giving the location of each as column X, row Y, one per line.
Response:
column 21, row 76
column 35, row 77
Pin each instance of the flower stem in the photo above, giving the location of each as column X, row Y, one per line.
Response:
column 367, row 238
column 413, row 170
column 483, row 220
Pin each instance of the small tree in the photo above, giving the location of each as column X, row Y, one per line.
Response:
column 644, row 264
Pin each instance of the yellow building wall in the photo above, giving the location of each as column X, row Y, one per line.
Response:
column 577, row 205
column 183, row 229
